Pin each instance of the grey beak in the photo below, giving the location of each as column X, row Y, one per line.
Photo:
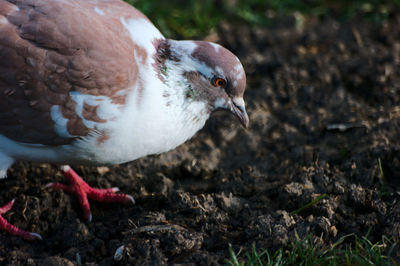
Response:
column 239, row 110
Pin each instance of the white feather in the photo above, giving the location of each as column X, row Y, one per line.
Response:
column 149, row 122
column 60, row 122
column 142, row 32
column 99, row 11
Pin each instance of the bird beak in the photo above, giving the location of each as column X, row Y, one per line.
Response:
column 237, row 107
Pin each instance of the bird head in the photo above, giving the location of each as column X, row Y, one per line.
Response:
column 206, row 72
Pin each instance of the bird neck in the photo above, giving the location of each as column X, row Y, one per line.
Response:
column 174, row 62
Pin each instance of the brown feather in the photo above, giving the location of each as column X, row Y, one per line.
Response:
column 50, row 48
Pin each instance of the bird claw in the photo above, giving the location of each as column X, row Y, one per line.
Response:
column 131, row 199
column 35, row 236
column 84, row 192
column 77, row 187
column 5, row 225
column 49, row 185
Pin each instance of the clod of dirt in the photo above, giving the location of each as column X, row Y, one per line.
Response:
column 229, row 203
column 158, row 183
column 56, row 261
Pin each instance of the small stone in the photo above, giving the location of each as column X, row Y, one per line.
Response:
column 119, row 253
column 333, row 231
column 103, row 169
column 285, row 218
column 338, row 188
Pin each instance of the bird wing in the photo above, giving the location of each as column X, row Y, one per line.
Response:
column 54, row 52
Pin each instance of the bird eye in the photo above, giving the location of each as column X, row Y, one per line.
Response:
column 219, row 82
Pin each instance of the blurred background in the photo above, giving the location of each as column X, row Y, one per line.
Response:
column 196, row 19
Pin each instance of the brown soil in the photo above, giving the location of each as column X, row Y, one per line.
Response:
column 324, row 106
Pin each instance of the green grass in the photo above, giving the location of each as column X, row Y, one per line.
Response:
column 348, row 250
column 193, row 19
column 178, row 18
column 381, row 169
column 308, row 205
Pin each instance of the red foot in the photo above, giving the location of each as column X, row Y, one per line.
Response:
column 11, row 228
column 81, row 189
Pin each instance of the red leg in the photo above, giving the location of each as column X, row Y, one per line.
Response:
column 83, row 191
column 4, row 224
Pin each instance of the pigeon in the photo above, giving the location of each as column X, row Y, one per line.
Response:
column 94, row 82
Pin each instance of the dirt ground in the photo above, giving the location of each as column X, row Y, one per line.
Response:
column 324, row 104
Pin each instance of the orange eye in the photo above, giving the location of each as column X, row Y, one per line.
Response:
column 219, row 82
